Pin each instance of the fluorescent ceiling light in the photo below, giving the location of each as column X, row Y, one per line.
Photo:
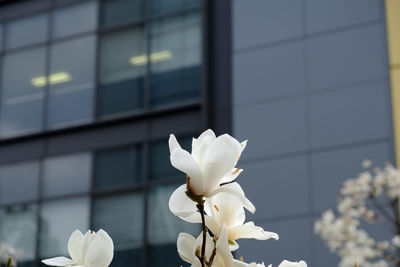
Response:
column 55, row 78
column 154, row 57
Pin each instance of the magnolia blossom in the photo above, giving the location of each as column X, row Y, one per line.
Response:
column 189, row 250
column 211, row 163
column 89, row 250
column 287, row 263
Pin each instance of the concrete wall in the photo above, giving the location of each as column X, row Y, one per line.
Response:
column 311, row 93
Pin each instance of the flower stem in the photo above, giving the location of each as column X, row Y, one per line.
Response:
column 200, row 206
column 9, row 263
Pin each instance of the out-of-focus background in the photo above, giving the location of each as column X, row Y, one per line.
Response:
column 91, row 89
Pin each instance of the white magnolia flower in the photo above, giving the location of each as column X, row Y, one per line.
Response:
column 189, row 250
column 211, row 163
column 226, row 209
column 89, row 250
column 286, row 263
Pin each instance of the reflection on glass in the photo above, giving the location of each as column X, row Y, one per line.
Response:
column 67, row 174
column 71, row 82
column 18, row 228
column 121, row 81
column 1, row 37
column 164, row 228
column 116, row 12
column 58, row 220
column 122, row 217
column 160, row 165
column 27, row 31
column 22, row 93
column 74, row 19
column 162, row 6
column 118, row 167
column 19, row 182
column 178, row 77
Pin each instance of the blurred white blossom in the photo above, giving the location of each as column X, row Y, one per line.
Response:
column 373, row 196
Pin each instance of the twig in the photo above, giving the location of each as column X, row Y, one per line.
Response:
column 200, row 206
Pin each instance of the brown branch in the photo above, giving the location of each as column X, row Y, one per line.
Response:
column 200, row 206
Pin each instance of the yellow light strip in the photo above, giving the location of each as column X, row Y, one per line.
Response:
column 154, row 57
column 55, row 78
column 393, row 33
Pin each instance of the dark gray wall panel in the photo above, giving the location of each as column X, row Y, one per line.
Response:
column 328, row 14
column 351, row 115
column 330, row 169
column 272, row 128
column 294, row 237
column 276, row 71
column 283, row 181
column 345, row 57
column 256, row 23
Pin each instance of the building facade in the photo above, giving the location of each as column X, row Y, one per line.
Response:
column 91, row 89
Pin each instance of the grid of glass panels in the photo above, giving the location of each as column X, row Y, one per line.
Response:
column 124, row 190
column 98, row 59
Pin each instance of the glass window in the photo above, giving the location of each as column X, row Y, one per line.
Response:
column 118, row 167
column 160, row 165
column 122, row 71
column 22, row 92
column 1, row 37
column 18, row 228
column 115, row 12
column 175, row 59
column 27, row 31
column 58, row 220
column 164, row 228
column 19, row 182
column 161, row 6
column 122, row 217
column 71, row 82
column 67, row 174
column 75, row 19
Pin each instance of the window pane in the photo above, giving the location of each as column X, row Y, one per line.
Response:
column 164, row 228
column 18, row 228
column 118, row 167
column 67, row 174
column 27, row 31
column 160, row 165
column 1, row 37
column 162, row 6
column 71, row 81
column 115, row 12
column 122, row 217
column 58, row 220
column 22, row 92
column 175, row 60
column 75, row 19
column 19, row 182
column 122, row 71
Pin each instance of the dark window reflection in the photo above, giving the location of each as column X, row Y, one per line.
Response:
column 175, row 60
column 118, row 167
column 127, row 257
column 115, row 12
column 164, row 255
column 160, row 164
column 122, row 71
column 163, row 6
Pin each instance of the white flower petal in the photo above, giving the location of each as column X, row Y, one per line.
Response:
column 249, row 230
column 219, row 158
column 235, row 189
column 235, row 245
column 180, row 204
column 185, row 246
column 209, row 245
column 183, row 161
column 58, row 261
column 286, row 263
column 231, row 175
column 74, row 246
column 201, row 144
column 222, row 246
column 237, row 263
column 100, row 251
